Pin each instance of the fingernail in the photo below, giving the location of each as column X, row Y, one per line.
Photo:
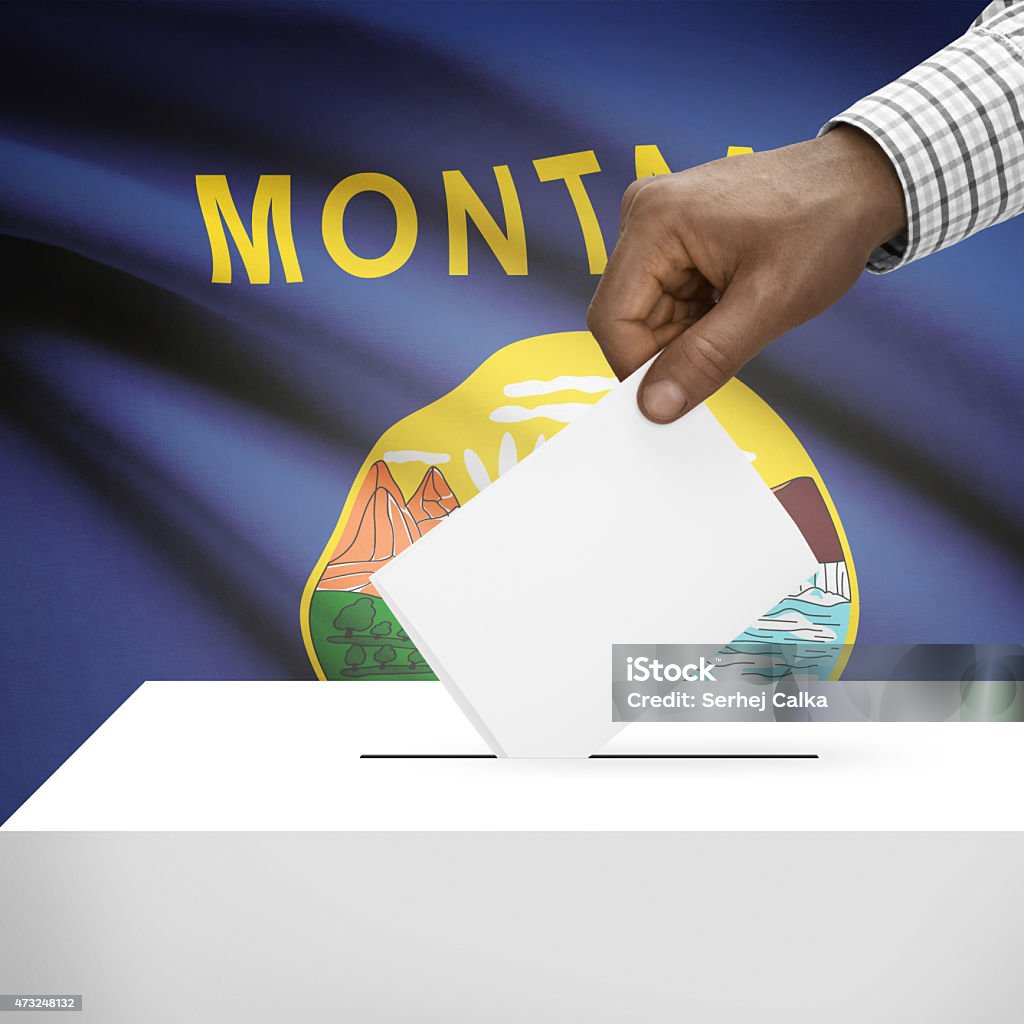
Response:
column 663, row 400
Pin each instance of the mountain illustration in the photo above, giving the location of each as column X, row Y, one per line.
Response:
column 382, row 524
column 432, row 500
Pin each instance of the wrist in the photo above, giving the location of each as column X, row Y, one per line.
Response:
column 870, row 182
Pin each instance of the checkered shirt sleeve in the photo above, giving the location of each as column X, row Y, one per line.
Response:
column 953, row 128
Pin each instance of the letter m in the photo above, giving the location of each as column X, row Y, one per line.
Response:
column 273, row 196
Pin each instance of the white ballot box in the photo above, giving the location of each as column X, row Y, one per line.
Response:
column 445, row 884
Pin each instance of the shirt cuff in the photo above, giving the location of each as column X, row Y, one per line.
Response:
column 952, row 129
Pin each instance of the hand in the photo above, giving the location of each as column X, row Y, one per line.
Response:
column 715, row 262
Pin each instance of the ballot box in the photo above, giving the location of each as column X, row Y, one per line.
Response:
column 353, row 851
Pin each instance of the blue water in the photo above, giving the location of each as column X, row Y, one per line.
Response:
column 795, row 638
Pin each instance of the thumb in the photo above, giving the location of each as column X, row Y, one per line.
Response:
column 710, row 353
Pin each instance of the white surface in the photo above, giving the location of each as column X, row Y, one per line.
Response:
column 616, row 530
column 515, row 927
column 266, row 755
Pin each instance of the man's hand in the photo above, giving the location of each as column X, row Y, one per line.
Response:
column 713, row 263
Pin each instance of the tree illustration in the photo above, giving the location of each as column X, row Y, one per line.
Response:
column 402, row 635
column 381, row 629
column 415, row 660
column 356, row 616
column 355, row 656
column 383, row 655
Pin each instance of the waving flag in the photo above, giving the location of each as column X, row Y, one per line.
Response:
column 177, row 448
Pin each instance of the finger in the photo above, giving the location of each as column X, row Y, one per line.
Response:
column 628, row 197
column 691, row 301
column 708, row 353
column 645, row 266
column 698, row 287
column 666, row 333
column 664, row 312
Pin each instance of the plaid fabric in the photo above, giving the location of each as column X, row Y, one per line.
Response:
column 953, row 128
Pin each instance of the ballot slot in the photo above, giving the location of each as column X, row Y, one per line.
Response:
column 603, row 757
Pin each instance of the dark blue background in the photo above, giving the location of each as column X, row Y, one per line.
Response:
column 175, row 454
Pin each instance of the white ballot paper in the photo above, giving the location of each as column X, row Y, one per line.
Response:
column 617, row 530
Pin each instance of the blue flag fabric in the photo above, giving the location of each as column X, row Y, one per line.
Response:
column 175, row 452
